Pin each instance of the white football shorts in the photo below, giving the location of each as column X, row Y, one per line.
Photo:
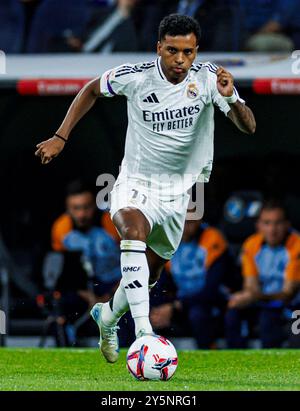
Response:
column 166, row 216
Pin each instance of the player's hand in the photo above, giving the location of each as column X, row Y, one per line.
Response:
column 224, row 82
column 240, row 299
column 49, row 149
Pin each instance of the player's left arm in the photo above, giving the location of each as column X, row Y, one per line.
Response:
column 241, row 115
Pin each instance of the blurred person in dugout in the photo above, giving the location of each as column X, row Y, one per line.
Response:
column 270, row 262
column 199, row 271
column 109, row 30
column 82, row 232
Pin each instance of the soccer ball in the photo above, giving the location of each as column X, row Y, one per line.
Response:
column 152, row 357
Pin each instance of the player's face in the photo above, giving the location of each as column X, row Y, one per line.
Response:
column 273, row 225
column 81, row 208
column 177, row 55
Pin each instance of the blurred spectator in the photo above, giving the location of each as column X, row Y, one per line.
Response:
column 198, row 269
column 29, row 9
column 271, row 270
column 44, row 26
column 218, row 21
column 111, row 30
column 153, row 12
column 53, row 22
column 78, row 230
column 271, row 25
column 189, row 7
column 11, row 26
column 91, row 268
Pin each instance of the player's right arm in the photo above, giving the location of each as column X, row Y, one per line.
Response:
column 83, row 102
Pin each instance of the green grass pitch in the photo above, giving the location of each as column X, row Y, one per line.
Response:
column 85, row 369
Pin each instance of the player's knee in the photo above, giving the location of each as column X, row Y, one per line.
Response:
column 133, row 233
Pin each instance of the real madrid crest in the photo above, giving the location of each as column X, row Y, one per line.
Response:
column 192, row 91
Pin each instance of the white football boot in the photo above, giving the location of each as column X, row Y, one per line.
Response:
column 109, row 341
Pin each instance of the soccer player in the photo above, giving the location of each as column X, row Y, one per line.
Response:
column 169, row 146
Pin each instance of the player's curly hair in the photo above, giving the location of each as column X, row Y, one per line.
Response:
column 178, row 25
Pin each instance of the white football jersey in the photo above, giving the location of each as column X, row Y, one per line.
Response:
column 170, row 131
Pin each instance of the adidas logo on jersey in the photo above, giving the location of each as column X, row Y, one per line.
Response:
column 135, row 284
column 151, row 99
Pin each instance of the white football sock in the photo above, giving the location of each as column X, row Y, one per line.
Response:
column 135, row 273
column 117, row 306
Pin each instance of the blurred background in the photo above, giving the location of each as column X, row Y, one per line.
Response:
column 59, row 254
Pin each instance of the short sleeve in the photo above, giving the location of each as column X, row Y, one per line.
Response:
column 249, row 251
column 108, row 226
column 214, row 243
column 217, row 99
column 293, row 267
column 168, row 266
column 119, row 81
column 61, row 227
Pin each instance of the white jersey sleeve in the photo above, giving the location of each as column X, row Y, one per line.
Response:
column 119, row 81
column 217, row 99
